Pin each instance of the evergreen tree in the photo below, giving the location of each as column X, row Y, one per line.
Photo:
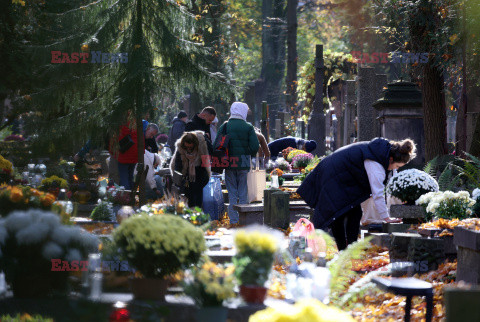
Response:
column 91, row 99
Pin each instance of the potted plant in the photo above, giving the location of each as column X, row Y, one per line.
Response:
column 300, row 161
column 102, row 212
column 253, row 262
column 23, row 198
column 209, row 285
column 6, row 170
column 447, row 204
column 283, row 165
column 293, row 153
column 157, row 246
column 35, row 246
column 53, row 184
column 408, row 186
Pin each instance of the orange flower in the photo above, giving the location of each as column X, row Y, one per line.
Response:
column 16, row 194
column 47, row 200
column 35, row 192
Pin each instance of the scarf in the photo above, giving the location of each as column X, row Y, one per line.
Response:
column 192, row 158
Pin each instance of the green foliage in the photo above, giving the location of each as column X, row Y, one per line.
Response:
column 455, row 173
column 25, row 317
column 92, row 100
column 341, row 268
column 102, row 212
column 53, row 182
column 337, row 66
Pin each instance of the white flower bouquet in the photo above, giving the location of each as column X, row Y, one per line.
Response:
column 448, row 204
column 410, row 184
column 37, row 252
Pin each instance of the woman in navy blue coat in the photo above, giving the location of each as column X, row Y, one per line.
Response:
column 343, row 180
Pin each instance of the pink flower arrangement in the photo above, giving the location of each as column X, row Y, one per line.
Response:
column 302, row 160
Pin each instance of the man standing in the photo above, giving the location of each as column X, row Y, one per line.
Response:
column 243, row 144
column 177, row 129
column 202, row 121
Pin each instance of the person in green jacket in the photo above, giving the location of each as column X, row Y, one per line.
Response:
column 242, row 146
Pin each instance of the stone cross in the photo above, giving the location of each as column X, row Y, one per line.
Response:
column 316, row 121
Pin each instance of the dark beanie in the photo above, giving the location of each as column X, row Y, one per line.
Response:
column 181, row 114
column 310, row 146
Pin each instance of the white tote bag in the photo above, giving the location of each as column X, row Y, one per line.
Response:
column 256, row 182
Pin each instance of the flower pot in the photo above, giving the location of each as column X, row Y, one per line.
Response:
column 82, row 196
column 253, row 294
column 212, row 314
column 149, row 288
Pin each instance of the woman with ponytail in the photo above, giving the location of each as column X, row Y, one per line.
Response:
column 349, row 176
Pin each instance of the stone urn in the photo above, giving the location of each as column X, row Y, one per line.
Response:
column 124, row 213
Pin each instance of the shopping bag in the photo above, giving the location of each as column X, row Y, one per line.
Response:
column 256, row 183
column 305, row 228
column 213, row 198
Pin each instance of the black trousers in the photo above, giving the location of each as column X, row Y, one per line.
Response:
column 345, row 229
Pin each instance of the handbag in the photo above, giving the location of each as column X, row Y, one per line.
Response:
column 125, row 143
column 219, row 158
column 256, row 183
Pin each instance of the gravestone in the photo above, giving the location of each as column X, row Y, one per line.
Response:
column 278, row 128
column 381, row 82
column 349, row 118
column 462, row 304
column 427, row 253
column 401, row 116
column 366, row 90
column 398, row 249
column 280, row 203
column 468, row 254
column 267, row 206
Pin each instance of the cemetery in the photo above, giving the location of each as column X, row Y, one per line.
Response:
column 230, row 161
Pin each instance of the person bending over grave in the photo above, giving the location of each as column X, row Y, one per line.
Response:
column 281, row 144
column 349, row 176
column 188, row 161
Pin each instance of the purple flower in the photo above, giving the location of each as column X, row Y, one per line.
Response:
column 302, row 160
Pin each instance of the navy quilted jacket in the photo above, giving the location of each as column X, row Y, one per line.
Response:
column 340, row 182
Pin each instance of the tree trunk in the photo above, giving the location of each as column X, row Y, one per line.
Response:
column 461, row 126
column 475, row 146
column 292, row 58
column 435, row 117
column 139, row 115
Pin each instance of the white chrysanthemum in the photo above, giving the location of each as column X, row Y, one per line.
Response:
column 52, row 250
column 411, row 177
column 17, row 220
column 476, row 193
column 32, row 234
column 73, row 255
column 469, row 212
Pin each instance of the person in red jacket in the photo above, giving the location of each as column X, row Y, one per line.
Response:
column 128, row 159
